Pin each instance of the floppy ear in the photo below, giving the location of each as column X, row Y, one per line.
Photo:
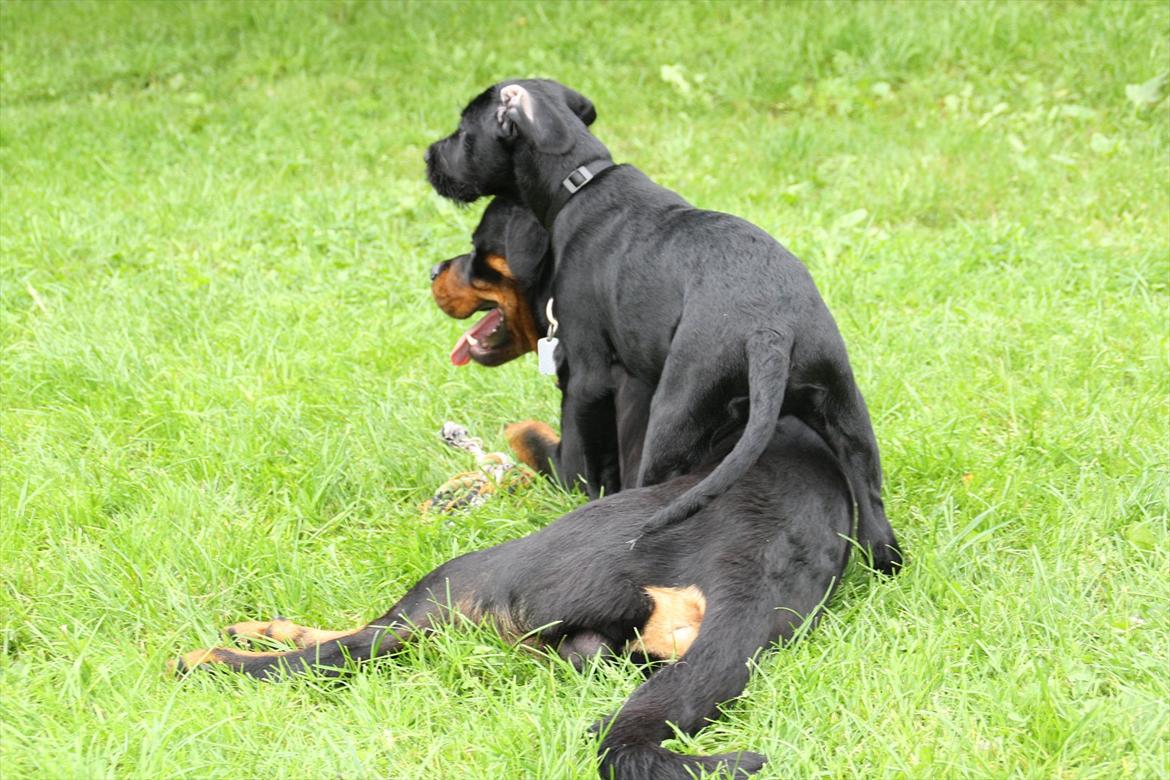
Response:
column 547, row 125
column 580, row 105
column 525, row 246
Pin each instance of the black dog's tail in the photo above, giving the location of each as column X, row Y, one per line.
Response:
column 768, row 358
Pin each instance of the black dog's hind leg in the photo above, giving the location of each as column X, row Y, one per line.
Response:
column 687, row 694
column 843, row 422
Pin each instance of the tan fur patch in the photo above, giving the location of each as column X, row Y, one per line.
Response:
column 461, row 297
column 499, row 264
column 286, row 631
column 520, row 437
column 674, row 623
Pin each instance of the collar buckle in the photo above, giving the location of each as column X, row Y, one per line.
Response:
column 577, row 179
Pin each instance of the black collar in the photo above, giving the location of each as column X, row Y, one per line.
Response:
column 572, row 184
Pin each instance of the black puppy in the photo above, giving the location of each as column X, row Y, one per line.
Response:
column 703, row 306
column 746, row 571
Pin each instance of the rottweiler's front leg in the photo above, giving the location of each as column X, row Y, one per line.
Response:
column 536, row 445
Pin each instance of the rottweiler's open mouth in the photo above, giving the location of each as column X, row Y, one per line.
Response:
column 481, row 339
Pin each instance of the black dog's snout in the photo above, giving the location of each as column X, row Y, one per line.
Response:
column 437, row 269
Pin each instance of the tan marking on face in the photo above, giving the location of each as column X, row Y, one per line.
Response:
column 452, row 293
column 499, row 264
column 460, row 295
column 673, row 624
column 524, row 438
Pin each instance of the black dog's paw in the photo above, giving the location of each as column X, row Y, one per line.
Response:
column 887, row 559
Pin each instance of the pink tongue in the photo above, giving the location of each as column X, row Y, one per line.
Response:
column 461, row 354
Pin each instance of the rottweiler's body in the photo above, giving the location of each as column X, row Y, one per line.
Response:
column 702, row 306
column 746, row 571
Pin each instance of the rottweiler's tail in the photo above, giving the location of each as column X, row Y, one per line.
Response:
column 768, row 358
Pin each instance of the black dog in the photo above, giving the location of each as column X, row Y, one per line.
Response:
column 746, row 571
column 703, row 306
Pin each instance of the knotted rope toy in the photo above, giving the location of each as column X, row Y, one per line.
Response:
column 469, row 489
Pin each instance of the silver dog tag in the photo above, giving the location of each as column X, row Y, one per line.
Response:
column 545, row 351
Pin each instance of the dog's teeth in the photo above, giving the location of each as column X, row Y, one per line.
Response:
column 472, row 340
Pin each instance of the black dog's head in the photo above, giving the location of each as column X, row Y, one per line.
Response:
column 507, row 135
column 505, row 274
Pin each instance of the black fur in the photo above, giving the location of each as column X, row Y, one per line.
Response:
column 701, row 306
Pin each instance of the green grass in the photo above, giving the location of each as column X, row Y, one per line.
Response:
column 223, row 374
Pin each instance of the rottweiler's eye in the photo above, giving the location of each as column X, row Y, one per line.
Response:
column 481, row 269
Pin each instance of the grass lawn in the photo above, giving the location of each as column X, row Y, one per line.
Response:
column 222, row 373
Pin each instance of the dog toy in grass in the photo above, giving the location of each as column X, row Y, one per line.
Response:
column 472, row 488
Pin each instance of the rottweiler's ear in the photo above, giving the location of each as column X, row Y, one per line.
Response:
column 536, row 117
column 525, row 245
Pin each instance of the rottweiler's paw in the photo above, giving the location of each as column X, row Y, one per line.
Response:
column 196, row 659
column 245, row 633
column 533, row 442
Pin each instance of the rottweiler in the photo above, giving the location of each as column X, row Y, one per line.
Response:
column 702, row 306
column 748, row 570
column 514, row 293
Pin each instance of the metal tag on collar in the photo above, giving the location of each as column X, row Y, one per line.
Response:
column 546, row 348
column 583, row 176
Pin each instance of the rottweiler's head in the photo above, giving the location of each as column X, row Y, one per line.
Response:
column 505, row 274
column 535, row 119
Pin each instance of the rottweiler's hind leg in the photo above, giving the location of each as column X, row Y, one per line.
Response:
column 429, row 603
column 328, row 657
column 687, row 694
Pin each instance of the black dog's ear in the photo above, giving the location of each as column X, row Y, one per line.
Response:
column 580, row 105
column 543, row 120
column 525, row 246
